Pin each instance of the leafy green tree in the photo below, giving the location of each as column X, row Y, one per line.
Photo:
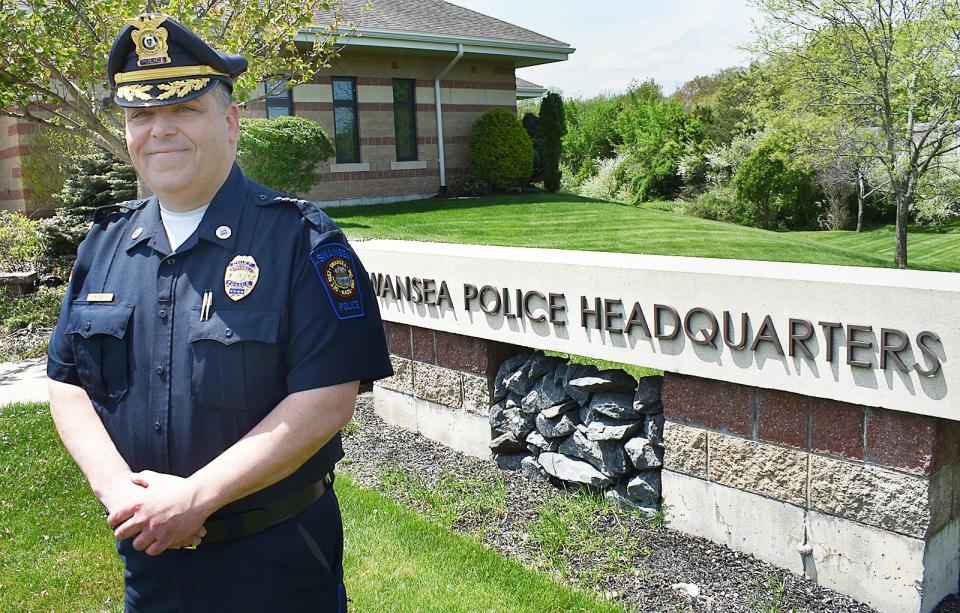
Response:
column 655, row 133
column 724, row 101
column 501, row 152
column 54, row 52
column 554, row 128
column 780, row 189
column 591, row 133
column 283, row 153
column 888, row 68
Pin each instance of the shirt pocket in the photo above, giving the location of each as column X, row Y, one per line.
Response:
column 235, row 359
column 98, row 332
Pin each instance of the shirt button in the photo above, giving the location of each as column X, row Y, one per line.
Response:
column 163, row 314
column 171, row 261
column 228, row 332
column 263, row 196
column 159, row 370
column 156, row 425
column 86, row 326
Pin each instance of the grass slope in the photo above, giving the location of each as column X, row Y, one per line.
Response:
column 56, row 552
column 569, row 222
column 925, row 249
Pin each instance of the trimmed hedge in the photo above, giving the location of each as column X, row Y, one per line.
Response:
column 501, row 151
column 283, row 153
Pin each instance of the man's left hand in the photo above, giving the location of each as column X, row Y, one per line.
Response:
column 168, row 516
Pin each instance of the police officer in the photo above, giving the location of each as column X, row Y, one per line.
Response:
column 208, row 351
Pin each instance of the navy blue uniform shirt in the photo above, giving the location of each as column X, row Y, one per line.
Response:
column 175, row 389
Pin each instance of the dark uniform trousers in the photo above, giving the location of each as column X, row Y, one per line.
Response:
column 291, row 567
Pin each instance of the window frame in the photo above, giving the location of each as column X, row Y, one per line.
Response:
column 352, row 105
column 268, row 98
column 411, row 108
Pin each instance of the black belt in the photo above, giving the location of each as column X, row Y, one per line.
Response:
column 250, row 522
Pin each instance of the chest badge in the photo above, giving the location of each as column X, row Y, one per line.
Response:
column 240, row 277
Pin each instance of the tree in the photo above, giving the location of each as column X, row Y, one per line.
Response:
column 888, row 67
column 554, row 126
column 53, row 53
column 531, row 123
column 501, row 152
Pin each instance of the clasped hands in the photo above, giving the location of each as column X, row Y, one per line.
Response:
column 159, row 511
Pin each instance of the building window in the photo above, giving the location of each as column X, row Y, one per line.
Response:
column 279, row 99
column 345, row 122
column 405, row 119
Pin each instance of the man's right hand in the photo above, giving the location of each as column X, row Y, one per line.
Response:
column 122, row 497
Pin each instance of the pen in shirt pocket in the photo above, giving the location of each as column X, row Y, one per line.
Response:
column 206, row 305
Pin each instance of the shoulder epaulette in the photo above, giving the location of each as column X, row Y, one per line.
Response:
column 310, row 212
column 120, row 207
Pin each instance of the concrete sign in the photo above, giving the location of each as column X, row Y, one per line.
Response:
column 877, row 337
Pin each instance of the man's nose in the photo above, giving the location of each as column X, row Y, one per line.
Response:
column 162, row 125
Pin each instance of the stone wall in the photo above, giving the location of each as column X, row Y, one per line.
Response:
column 827, row 473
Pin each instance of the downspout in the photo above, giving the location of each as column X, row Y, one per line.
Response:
column 439, row 113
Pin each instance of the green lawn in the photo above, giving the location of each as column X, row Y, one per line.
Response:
column 56, row 553
column 570, row 222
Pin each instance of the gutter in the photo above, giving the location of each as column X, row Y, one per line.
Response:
column 439, row 112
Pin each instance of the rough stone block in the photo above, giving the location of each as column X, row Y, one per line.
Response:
column 685, row 449
column 717, row 405
column 476, row 394
column 902, row 440
column 437, row 384
column 398, row 339
column 871, row 495
column 783, row 418
column 424, row 349
column 402, row 379
column 837, row 428
column 760, row 468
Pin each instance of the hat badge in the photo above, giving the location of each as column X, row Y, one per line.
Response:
column 150, row 39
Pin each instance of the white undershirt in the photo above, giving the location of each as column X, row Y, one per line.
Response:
column 180, row 226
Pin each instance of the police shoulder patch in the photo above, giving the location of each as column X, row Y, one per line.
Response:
column 335, row 267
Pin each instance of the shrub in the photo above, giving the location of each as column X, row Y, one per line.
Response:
column 938, row 202
column 469, row 186
column 780, row 190
column 500, row 150
column 531, row 123
column 608, row 182
column 95, row 179
column 554, row 128
column 21, row 244
column 720, row 204
column 283, row 153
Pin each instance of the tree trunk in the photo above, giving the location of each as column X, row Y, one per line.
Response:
column 903, row 203
column 861, row 201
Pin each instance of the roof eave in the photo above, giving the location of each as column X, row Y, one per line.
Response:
column 523, row 53
column 524, row 93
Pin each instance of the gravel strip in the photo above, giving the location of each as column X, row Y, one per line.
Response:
column 649, row 560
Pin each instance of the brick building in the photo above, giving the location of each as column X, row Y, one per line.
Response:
column 378, row 101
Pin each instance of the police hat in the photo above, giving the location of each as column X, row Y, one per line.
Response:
column 156, row 61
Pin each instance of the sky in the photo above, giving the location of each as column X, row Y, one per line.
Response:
column 616, row 41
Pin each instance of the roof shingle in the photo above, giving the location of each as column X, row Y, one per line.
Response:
column 433, row 17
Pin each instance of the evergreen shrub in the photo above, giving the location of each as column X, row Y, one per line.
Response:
column 554, row 128
column 501, row 151
column 283, row 153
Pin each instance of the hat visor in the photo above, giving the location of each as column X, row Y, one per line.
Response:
column 162, row 92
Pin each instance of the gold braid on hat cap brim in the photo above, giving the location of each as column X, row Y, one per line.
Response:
column 174, row 72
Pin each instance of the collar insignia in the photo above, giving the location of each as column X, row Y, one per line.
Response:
column 150, row 39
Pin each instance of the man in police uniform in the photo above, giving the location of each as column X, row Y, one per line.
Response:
column 208, row 352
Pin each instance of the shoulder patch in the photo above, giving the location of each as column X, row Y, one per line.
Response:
column 335, row 267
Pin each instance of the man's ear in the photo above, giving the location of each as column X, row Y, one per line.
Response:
column 233, row 123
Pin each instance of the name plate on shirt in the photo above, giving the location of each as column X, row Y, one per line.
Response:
column 99, row 297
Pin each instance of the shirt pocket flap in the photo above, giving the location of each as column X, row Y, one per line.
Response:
column 89, row 319
column 230, row 327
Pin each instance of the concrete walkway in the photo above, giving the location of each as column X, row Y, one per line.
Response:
column 23, row 381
